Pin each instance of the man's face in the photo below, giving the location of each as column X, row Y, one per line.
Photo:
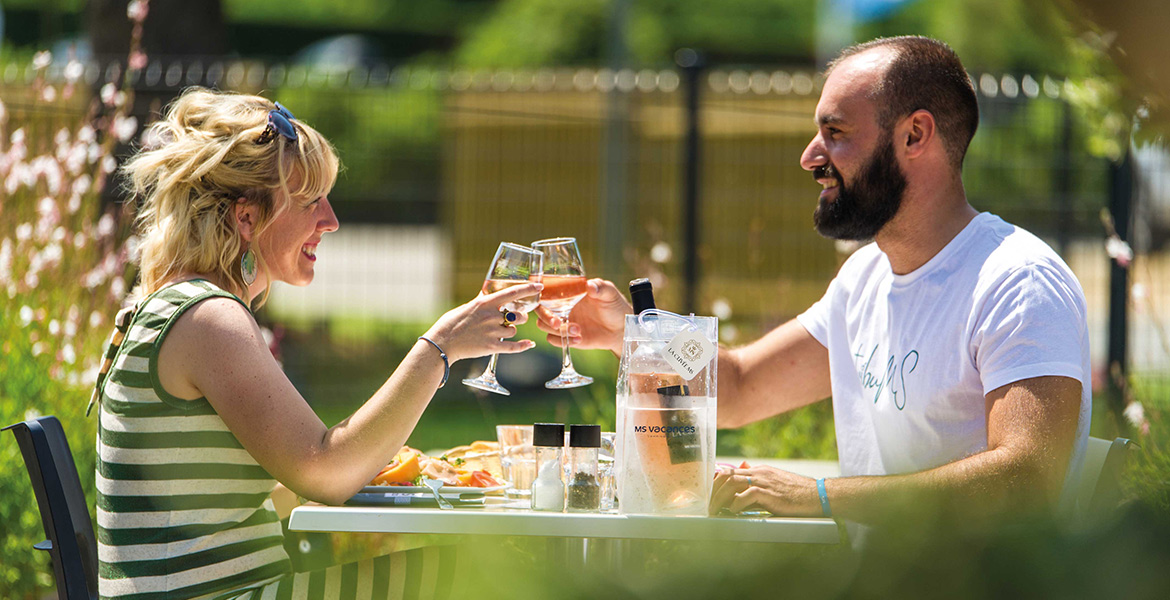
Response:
column 866, row 202
column 852, row 156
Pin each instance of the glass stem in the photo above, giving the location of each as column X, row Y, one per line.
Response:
column 566, row 360
column 491, row 368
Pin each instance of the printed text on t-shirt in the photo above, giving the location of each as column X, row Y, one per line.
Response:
column 884, row 381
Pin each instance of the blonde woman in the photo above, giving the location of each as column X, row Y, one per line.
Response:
column 197, row 421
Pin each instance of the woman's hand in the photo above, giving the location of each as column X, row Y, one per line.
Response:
column 597, row 322
column 477, row 328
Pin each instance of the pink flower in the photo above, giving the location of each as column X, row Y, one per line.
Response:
column 1119, row 251
column 137, row 10
column 137, row 60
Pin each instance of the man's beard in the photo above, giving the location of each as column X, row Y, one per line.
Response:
column 862, row 208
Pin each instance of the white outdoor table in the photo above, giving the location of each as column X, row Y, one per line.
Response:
column 505, row 519
column 499, row 520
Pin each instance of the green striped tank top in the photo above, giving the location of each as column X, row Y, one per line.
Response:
column 183, row 510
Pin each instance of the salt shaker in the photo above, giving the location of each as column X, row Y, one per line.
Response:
column 584, row 489
column 548, row 489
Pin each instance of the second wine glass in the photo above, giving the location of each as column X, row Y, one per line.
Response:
column 564, row 287
column 513, row 265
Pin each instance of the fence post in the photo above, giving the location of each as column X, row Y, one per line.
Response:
column 692, row 68
column 615, row 177
column 1121, row 209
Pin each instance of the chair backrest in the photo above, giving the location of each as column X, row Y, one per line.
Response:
column 1099, row 490
column 64, row 512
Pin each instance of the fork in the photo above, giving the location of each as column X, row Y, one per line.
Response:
column 435, row 484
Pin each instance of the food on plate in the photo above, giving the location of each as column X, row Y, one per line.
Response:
column 410, row 467
column 477, row 456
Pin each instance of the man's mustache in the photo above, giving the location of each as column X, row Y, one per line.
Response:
column 826, row 172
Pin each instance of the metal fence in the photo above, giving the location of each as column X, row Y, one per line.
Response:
column 480, row 157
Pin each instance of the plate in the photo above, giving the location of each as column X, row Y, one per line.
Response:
column 446, row 490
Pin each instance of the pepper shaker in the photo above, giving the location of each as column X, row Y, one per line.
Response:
column 584, row 489
column 548, row 489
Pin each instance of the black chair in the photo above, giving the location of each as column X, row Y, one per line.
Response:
column 71, row 542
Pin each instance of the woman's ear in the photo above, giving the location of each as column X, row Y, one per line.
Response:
column 246, row 214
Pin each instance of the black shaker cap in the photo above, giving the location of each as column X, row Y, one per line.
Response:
column 674, row 390
column 585, row 436
column 548, row 435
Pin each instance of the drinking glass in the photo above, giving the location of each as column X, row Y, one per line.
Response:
column 517, row 459
column 513, row 265
column 564, row 287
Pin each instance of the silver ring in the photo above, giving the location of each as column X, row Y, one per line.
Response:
column 508, row 316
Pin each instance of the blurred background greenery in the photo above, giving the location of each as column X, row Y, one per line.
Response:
column 462, row 123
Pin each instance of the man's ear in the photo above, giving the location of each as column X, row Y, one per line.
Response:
column 246, row 213
column 917, row 133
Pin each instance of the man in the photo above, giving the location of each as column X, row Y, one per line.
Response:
column 954, row 348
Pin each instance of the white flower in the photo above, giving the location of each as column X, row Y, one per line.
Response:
column 124, row 128
column 42, row 59
column 31, row 414
column 49, row 94
column 82, row 183
column 86, row 133
column 721, row 308
column 73, row 71
column 52, row 254
column 107, row 93
column 1118, row 250
column 62, row 137
column 38, row 348
column 17, row 137
column 117, row 288
column 79, row 240
column 133, row 247
column 105, row 226
column 660, row 253
column 74, row 204
column 68, row 355
column 26, row 315
column 24, row 232
column 95, row 319
column 109, row 163
column 93, row 153
column 54, row 327
column 70, row 329
column 1135, row 413
column 31, row 280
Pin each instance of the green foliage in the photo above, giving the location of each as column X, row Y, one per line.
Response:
column 62, row 276
column 806, row 433
column 1147, row 477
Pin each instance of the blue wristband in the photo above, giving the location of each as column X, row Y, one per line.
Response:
column 824, row 494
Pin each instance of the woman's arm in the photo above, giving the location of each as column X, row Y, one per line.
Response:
column 216, row 350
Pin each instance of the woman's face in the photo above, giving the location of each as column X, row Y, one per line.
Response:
column 289, row 245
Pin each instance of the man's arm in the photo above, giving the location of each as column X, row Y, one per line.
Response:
column 1031, row 426
column 786, row 369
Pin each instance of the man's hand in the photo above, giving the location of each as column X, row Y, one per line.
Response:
column 776, row 491
column 597, row 322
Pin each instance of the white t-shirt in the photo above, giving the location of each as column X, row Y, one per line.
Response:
column 912, row 356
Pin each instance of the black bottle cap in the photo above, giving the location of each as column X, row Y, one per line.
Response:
column 674, row 390
column 585, row 436
column 642, row 295
column 548, row 435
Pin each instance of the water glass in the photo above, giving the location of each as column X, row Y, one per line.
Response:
column 517, row 459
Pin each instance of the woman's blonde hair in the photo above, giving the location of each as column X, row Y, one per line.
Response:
column 206, row 155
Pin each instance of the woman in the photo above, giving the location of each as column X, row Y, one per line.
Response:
column 197, row 421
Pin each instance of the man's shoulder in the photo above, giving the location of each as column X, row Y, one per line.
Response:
column 1008, row 248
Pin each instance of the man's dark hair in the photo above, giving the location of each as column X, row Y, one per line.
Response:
column 924, row 74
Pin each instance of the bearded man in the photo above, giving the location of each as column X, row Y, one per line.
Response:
column 955, row 347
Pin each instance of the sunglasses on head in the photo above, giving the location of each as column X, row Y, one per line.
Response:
column 279, row 122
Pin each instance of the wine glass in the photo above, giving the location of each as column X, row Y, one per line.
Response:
column 513, row 265
column 564, row 287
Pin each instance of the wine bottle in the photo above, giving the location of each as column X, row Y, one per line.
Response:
column 642, row 295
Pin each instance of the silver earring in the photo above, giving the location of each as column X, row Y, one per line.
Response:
column 248, row 266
